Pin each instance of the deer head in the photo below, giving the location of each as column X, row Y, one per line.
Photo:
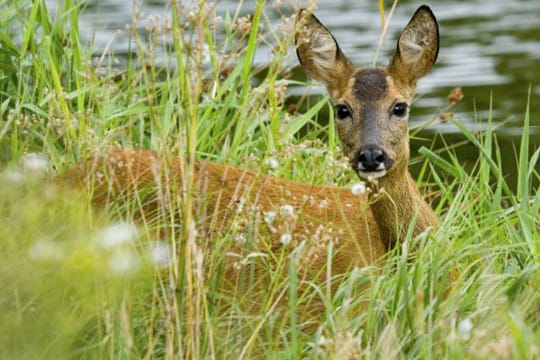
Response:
column 371, row 103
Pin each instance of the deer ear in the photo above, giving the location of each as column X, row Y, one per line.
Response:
column 417, row 48
column 319, row 54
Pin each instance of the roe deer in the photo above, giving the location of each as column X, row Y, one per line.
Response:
column 371, row 109
column 371, row 106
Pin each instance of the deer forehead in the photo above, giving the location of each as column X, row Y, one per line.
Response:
column 370, row 84
column 374, row 86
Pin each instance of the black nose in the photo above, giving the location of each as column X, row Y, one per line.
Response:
column 371, row 158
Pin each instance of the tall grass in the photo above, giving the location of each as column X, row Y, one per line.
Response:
column 68, row 290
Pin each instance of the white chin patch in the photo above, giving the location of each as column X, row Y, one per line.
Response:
column 372, row 174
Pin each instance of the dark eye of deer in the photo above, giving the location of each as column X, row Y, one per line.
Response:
column 342, row 112
column 399, row 109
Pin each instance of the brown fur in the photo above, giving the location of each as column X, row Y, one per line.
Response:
column 225, row 193
column 370, row 84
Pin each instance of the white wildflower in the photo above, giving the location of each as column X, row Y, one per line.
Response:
column 271, row 163
column 35, row 162
column 160, row 254
column 465, row 328
column 117, row 234
column 206, row 54
column 123, row 262
column 286, row 210
column 240, row 239
column 269, row 217
column 13, row 176
column 359, row 188
column 285, row 239
column 324, row 204
column 46, row 250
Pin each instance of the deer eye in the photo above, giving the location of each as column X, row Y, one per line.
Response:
column 400, row 109
column 342, row 112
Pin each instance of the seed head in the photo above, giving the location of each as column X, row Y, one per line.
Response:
column 286, row 210
column 285, row 239
column 160, row 254
column 269, row 217
column 123, row 262
column 46, row 250
column 359, row 188
column 465, row 328
column 35, row 163
column 117, row 234
column 271, row 163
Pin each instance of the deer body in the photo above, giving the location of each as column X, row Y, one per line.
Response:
column 227, row 195
column 371, row 107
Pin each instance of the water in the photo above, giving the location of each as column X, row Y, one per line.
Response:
column 489, row 48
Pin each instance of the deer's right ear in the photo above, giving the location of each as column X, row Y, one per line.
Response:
column 319, row 54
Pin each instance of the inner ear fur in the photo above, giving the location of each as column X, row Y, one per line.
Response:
column 417, row 48
column 319, row 53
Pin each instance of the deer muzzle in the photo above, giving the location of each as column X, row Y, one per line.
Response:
column 371, row 161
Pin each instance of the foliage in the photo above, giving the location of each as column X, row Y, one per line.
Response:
column 191, row 87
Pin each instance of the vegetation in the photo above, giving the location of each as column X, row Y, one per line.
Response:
column 77, row 282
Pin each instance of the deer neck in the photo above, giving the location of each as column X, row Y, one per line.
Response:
column 397, row 205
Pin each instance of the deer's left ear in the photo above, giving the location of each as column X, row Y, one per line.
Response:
column 417, row 48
